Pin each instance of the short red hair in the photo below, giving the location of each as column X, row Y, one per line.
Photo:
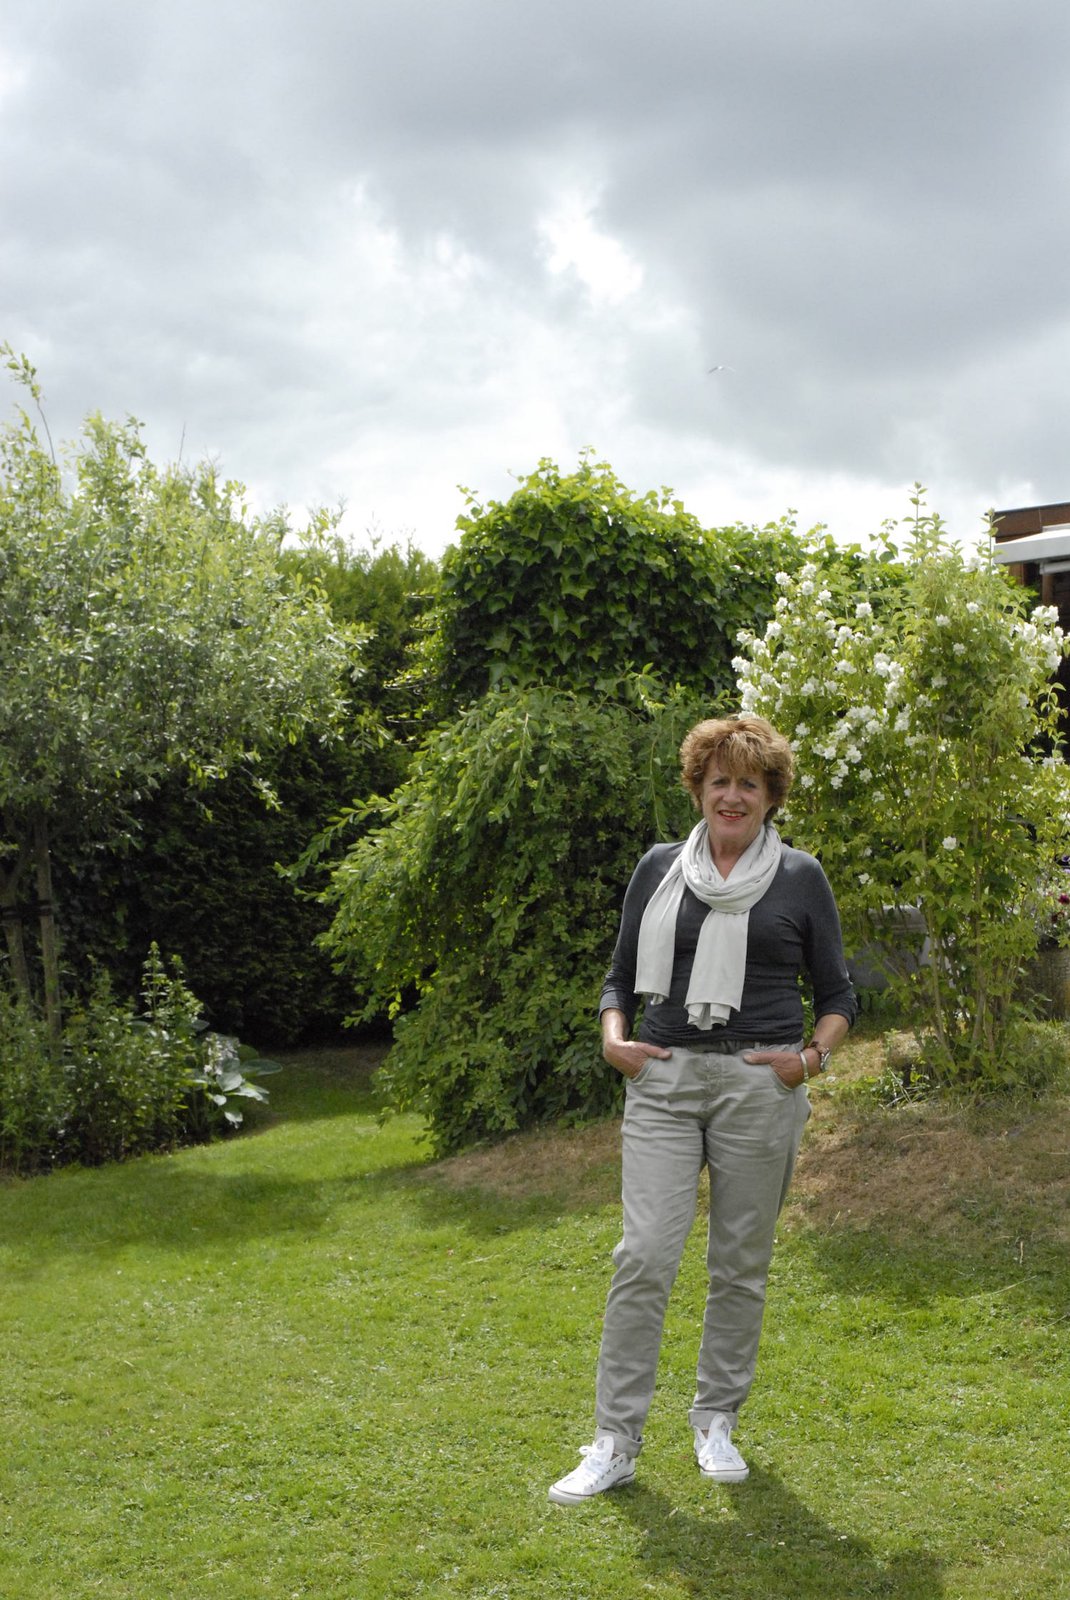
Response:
column 741, row 745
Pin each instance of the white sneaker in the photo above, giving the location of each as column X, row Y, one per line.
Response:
column 717, row 1456
column 599, row 1470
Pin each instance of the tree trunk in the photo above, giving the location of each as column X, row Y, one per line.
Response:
column 49, row 940
column 9, row 908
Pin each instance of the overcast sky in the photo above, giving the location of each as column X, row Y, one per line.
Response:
column 375, row 249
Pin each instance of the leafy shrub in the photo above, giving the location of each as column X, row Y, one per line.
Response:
column 119, row 1085
column 581, row 630
column 925, row 719
column 33, row 1090
column 493, row 888
column 202, row 882
column 199, row 875
column 578, row 582
column 126, row 1084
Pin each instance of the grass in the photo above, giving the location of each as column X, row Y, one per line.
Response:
column 310, row 1363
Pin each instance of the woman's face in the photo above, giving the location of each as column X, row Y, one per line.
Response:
column 734, row 807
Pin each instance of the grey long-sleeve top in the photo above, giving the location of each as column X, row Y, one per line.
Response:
column 793, row 928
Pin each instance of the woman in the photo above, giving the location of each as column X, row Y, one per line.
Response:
column 714, row 934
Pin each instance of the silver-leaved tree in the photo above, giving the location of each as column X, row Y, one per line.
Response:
column 146, row 624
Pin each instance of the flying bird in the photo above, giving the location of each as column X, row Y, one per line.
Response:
column 720, row 369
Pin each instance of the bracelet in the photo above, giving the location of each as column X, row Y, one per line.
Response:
column 822, row 1054
column 802, row 1058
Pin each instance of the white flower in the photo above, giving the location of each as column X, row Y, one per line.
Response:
column 739, row 664
column 806, row 587
column 864, row 878
column 972, row 607
column 784, row 579
column 845, row 666
column 853, row 753
column 881, row 665
column 835, row 780
column 951, row 843
column 824, row 595
column 865, row 774
column 773, row 630
column 938, row 680
column 959, row 649
column 801, row 730
column 782, row 603
column 809, row 687
column 942, row 621
column 807, row 780
column 863, row 609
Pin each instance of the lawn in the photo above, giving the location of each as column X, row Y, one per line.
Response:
column 310, row 1362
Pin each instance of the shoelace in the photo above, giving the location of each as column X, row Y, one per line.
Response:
column 593, row 1469
column 719, row 1447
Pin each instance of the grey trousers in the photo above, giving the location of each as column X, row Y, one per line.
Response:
column 681, row 1114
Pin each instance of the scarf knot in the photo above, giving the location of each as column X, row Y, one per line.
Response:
column 716, row 986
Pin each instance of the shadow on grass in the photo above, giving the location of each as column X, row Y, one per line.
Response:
column 169, row 1203
column 916, row 1272
column 773, row 1546
column 330, row 1082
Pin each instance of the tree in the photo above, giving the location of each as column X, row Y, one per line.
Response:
column 490, row 892
column 579, row 582
column 924, row 718
column 146, row 625
column 582, row 630
column 204, row 879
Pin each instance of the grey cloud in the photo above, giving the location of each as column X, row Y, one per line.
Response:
column 858, row 207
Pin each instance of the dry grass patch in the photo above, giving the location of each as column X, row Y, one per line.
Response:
column 934, row 1169
column 953, row 1172
column 580, row 1163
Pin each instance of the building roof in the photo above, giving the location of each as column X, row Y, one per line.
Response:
column 1012, row 524
column 1051, row 545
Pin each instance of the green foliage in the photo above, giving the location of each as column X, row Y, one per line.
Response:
column 147, row 626
column 201, row 877
column 389, row 591
column 576, row 581
column 119, row 1085
column 925, row 719
column 126, row 1085
column 33, row 1090
column 581, row 630
column 491, row 890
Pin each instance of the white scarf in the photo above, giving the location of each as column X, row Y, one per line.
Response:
column 716, row 986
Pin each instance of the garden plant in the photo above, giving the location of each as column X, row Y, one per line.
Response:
column 926, row 724
column 146, row 627
column 581, row 630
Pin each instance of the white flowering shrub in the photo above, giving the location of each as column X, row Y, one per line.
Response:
column 924, row 720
